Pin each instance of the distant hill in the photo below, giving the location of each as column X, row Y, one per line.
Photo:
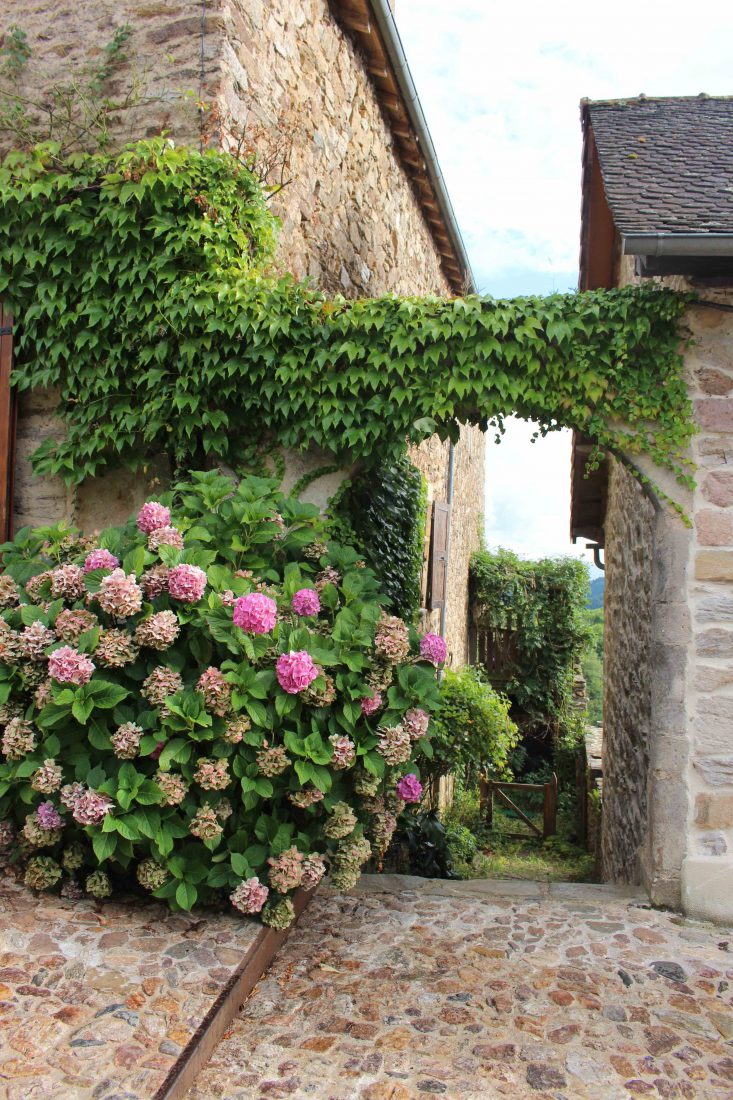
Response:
column 597, row 587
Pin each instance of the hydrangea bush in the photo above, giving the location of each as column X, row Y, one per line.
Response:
column 209, row 701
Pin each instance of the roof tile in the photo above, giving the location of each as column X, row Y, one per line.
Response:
column 679, row 178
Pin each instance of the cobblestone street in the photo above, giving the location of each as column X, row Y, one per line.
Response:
column 412, row 988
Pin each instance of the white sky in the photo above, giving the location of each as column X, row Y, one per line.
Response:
column 500, row 84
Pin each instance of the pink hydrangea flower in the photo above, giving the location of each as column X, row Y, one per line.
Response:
column 344, row 752
column 91, row 807
column 68, row 666
column 152, row 515
column 313, row 871
column 187, row 583
column 371, row 703
column 154, row 581
column 416, row 722
column 165, row 536
column 67, row 583
column 433, row 649
column 286, row 872
column 409, row 788
column 120, row 594
column 48, row 816
column 295, row 671
column 34, row 640
column 70, row 624
column 159, row 631
column 306, row 601
column 100, row 559
column 255, row 613
column 250, row 896
column 216, row 691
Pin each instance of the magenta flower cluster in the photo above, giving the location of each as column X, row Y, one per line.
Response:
column 295, row 671
column 255, row 613
column 68, row 666
column 409, row 788
column 187, row 583
column 306, row 601
column 100, row 559
column 433, row 649
column 151, row 516
column 371, row 703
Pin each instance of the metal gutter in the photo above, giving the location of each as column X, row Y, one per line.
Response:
column 393, row 45
column 678, row 244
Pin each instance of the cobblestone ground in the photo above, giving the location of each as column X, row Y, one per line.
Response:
column 98, row 1000
column 464, row 991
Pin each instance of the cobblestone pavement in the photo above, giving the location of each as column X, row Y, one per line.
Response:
column 97, row 1000
column 479, row 990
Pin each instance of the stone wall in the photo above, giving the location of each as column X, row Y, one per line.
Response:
column 286, row 71
column 432, row 458
column 627, row 674
column 686, row 855
column 708, row 867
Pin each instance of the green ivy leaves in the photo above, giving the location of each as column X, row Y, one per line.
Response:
column 141, row 291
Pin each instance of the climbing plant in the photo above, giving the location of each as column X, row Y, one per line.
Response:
column 383, row 511
column 543, row 604
column 141, row 285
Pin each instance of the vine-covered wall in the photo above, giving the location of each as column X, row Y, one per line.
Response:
column 293, row 81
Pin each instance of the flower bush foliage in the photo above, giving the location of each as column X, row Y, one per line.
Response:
column 471, row 731
column 191, row 712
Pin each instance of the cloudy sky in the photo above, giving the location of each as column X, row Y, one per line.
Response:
column 500, row 84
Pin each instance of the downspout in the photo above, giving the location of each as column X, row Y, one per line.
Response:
column 393, row 44
column 451, row 477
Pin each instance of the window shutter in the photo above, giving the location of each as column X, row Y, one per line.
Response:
column 7, row 425
column 439, row 556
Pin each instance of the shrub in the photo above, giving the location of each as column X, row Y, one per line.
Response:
column 472, row 730
column 462, row 842
column 182, row 703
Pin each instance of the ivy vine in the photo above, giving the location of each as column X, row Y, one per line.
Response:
column 143, row 287
column 383, row 512
column 541, row 603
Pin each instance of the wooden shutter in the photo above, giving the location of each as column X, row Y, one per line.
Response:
column 439, row 556
column 7, row 425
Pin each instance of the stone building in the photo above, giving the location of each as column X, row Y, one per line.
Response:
column 658, row 204
column 325, row 90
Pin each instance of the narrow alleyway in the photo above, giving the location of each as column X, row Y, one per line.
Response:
column 412, row 988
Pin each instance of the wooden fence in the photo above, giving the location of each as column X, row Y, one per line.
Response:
column 489, row 790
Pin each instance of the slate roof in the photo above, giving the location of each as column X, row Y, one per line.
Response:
column 667, row 164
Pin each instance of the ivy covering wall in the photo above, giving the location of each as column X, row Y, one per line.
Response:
column 143, row 290
column 383, row 511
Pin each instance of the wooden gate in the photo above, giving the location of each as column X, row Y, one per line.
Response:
column 8, row 414
column 491, row 789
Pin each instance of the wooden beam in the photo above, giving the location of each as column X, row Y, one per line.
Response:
column 355, row 22
column 196, row 1054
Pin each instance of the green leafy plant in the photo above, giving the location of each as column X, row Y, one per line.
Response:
column 473, row 734
column 184, row 703
column 140, row 284
column 421, row 846
column 542, row 603
column 386, row 509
